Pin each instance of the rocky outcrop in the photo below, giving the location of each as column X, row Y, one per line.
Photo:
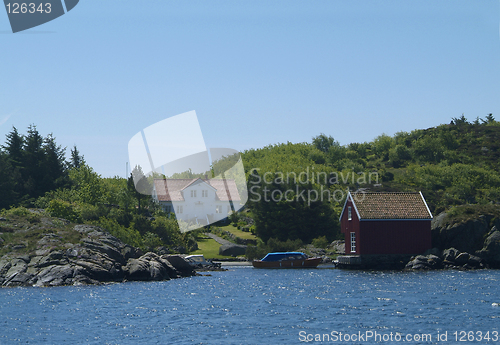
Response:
column 471, row 244
column 448, row 258
column 491, row 248
column 466, row 237
column 338, row 246
column 99, row 257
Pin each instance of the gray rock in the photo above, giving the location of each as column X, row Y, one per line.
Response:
column 18, row 247
column 491, row 249
column 17, row 267
column 20, row 279
column 49, row 239
column 179, row 264
column 137, row 269
column 466, row 237
column 55, row 275
column 462, row 259
column 475, row 261
column 429, row 261
column 450, row 254
column 150, row 266
column 5, row 265
column 98, row 272
column 84, row 228
column 232, row 249
column 100, row 247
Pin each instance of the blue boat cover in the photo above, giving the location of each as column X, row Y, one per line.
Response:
column 284, row 256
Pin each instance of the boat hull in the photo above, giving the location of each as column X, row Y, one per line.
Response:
column 302, row 263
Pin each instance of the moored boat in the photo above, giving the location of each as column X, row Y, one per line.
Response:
column 286, row 260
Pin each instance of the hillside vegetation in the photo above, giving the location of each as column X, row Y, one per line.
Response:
column 452, row 164
column 296, row 190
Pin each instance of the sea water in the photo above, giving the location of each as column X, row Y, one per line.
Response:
column 257, row 306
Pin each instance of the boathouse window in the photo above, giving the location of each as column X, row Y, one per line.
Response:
column 228, row 209
column 179, row 209
column 349, row 213
column 193, row 194
column 218, row 209
column 353, row 242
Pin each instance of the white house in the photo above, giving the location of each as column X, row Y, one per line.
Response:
column 197, row 201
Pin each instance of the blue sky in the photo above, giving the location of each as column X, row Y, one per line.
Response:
column 255, row 72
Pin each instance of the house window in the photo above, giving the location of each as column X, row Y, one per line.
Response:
column 349, row 213
column 179, row 209
column 167, row 209
column 204, row 193
column 353, row 242
column 218, row 209
column 228, row 208
column 193, row 194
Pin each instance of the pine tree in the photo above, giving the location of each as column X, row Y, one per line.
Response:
column 54, row 167
column 76, row 159
column 7, row 182
column 14, row 148
column 12, row 168
column 33, row 160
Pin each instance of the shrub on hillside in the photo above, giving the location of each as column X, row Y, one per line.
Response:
column 62, row 209
column 320, row 242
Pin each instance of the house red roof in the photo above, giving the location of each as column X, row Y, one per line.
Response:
column 171, row 189
column 390, row 205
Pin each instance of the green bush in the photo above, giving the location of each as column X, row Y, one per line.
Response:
column 18, row 211
column 256, row 252
column 320, row 242
column 151, row 241
column 89, row 212
column 62, row 209
column 127, row 235
column 167, row 230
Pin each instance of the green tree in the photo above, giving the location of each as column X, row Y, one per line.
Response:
column 7, row 182
column 142, row 190
column 54, row 165
column 14, row 148
column 382, row 144
column 290, row 211
column 87, row 184
column 33, row 163
column 323, row 142
column 76, row 159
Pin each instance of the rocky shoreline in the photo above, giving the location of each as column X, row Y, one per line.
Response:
column 98, row 258
column 473, row 244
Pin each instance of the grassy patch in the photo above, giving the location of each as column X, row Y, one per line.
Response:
column 464, row 213
column 239, row 233
column 20, row 233
column 209, row 248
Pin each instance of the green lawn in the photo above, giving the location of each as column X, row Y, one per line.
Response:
column 239, row 233
column 209, row 248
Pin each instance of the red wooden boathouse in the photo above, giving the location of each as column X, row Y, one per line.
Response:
column 386, row 223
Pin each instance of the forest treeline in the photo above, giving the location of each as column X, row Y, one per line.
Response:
column 296, row 190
